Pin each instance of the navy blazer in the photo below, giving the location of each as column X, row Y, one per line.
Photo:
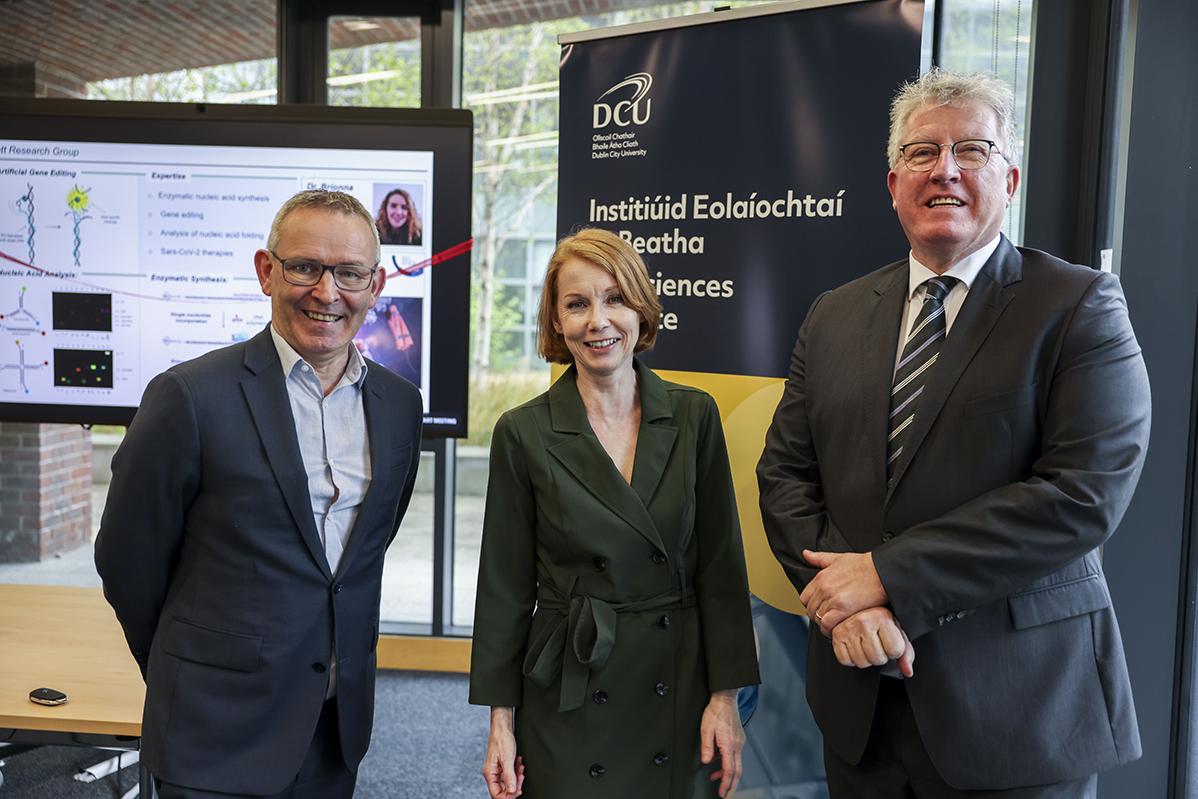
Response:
column 211, row 559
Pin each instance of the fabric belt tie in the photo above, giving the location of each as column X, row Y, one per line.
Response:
column 581, row 638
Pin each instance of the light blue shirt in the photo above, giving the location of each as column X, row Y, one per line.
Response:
column 333, row 442
column 334, row 447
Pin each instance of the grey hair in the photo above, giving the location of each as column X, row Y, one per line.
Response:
column 325, row 200
column 941, row 87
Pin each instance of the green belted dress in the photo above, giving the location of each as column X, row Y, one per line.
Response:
column 607, row 613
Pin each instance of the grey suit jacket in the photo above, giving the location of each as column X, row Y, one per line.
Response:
column 211, row 559
column 1026, row 447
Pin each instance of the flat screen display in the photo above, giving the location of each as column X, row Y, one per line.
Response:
column 128, row 230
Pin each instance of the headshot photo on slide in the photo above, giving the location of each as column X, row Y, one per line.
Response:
column 397, row 208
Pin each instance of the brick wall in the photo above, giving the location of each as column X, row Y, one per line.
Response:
column 45, row 490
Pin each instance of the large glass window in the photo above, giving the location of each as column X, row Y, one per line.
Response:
column 160, row 50
column 374, row 61
column 244, row 82
column 407, row 595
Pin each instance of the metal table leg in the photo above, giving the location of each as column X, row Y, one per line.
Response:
column 145, row 783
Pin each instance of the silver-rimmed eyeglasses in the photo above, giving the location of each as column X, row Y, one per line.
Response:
column 922, row 156
column 306, row 272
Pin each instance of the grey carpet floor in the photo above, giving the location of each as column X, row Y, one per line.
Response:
column 428, row 744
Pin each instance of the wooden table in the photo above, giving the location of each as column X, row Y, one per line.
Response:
column 67, row 639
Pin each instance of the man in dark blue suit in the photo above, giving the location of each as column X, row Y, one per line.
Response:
column 250, row 508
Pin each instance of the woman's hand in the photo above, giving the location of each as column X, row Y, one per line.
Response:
column 503, row 769
column 721, row 729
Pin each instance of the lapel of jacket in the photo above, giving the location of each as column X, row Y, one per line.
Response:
column 655, row 439
column 266, row 394
column 382, row 457
column 581, row 454
column 989, row 295
column 879, row 345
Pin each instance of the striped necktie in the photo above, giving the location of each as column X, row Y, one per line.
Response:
column 919, row 354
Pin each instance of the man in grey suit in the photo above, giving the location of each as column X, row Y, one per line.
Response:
column 960, row 432
column 243, row 538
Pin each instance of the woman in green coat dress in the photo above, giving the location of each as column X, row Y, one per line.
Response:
column 612, row 623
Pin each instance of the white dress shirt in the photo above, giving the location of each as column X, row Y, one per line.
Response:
column 966, row 271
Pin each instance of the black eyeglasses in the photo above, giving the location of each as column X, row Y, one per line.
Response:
column 922, row 156
column 306, row 272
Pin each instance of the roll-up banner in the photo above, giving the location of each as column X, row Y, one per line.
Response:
column 743, row 154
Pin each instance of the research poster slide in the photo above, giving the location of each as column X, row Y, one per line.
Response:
column 118, row 261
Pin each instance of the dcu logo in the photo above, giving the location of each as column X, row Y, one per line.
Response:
column 634, row 110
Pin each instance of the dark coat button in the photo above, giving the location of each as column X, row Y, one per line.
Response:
column 600, row 697
column 661, row 688
column 886, row 536
column 664, row 621
column 319, row 668
column 599, row 563
column 337, row 588
column 660, row 759
column 597, row 771
column 658, row 556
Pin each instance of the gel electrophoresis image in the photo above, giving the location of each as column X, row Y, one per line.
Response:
column 77, row 311
column 83, row 368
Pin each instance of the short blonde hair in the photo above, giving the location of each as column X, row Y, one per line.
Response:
column 615, row 256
